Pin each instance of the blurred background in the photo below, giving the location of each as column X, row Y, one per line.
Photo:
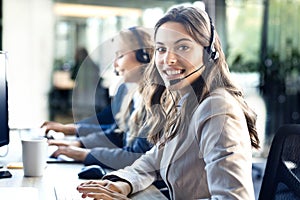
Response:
column 45, row 40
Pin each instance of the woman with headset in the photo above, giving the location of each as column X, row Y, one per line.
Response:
column 203, row 138
column 124, row 142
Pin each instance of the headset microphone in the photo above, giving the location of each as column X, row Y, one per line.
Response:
column 175, row 81
column 116, row 72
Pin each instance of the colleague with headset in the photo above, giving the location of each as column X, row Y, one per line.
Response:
column 203, row 139
column 123, row 143
column 104, row 119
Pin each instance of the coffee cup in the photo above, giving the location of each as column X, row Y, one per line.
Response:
column 34, row 155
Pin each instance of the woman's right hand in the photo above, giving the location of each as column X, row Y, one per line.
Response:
column 76, row 153
column 105, row 189
column 74, row 143
column 68, row 129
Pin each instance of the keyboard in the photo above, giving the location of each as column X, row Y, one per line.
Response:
column 63, row 192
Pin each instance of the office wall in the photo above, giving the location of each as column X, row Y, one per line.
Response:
column 28, row 38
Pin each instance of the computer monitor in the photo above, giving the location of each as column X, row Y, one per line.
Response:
column 4, row 128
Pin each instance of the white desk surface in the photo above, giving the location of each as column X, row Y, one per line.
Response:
column 62, row 176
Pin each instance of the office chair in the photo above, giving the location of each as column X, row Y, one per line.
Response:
column 282, row 173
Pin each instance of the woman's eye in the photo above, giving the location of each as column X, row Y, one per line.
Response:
column 120, row 56
column 183, row 48
column 161, row 49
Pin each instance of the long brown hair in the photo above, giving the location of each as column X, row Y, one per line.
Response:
column 165, row 123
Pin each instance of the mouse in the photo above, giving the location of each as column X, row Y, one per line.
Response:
column 91, row 172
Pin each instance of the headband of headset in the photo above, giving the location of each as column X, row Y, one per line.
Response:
column 141, row 54
column 212, row 53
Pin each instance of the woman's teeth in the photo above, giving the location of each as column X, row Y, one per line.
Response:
column 173, row 72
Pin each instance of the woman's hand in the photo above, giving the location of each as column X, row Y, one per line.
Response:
column 76, row 153
column 68, row 129
column 104, row 189
column 74, row 143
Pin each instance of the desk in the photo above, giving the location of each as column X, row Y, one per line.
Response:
column 55, row 175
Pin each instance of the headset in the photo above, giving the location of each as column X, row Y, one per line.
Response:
column 212, row 53
column 141, row 54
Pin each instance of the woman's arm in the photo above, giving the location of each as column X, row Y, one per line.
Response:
column 226, row 148
column 114, row 158
column 119, row 184
column 143, row 172
column 110, row 138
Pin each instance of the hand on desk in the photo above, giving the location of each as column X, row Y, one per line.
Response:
column 74, row 143
column 77, row 153
column 104, row 189
column 67, row 129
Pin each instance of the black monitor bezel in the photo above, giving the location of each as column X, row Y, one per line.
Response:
column 4, row 127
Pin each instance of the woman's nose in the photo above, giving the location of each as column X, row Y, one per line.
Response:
column 170, row 58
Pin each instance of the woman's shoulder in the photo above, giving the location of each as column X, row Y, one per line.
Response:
column 218, row 101
column 220, row 95
column 220, row 92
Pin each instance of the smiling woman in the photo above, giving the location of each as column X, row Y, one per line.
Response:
column 202, row 128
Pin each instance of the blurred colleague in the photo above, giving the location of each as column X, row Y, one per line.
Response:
column 124, row 142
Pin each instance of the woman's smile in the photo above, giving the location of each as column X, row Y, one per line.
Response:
column 173, row 73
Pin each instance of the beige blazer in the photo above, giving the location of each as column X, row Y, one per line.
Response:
column 213, row 160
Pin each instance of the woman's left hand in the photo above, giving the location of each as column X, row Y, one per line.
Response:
column 104, row 189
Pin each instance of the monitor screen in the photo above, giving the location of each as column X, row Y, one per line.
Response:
column 4, row 129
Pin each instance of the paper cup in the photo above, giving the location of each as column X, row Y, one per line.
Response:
column 34, row 155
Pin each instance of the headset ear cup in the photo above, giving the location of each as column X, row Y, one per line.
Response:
column 212, row 54
column 142, row 56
